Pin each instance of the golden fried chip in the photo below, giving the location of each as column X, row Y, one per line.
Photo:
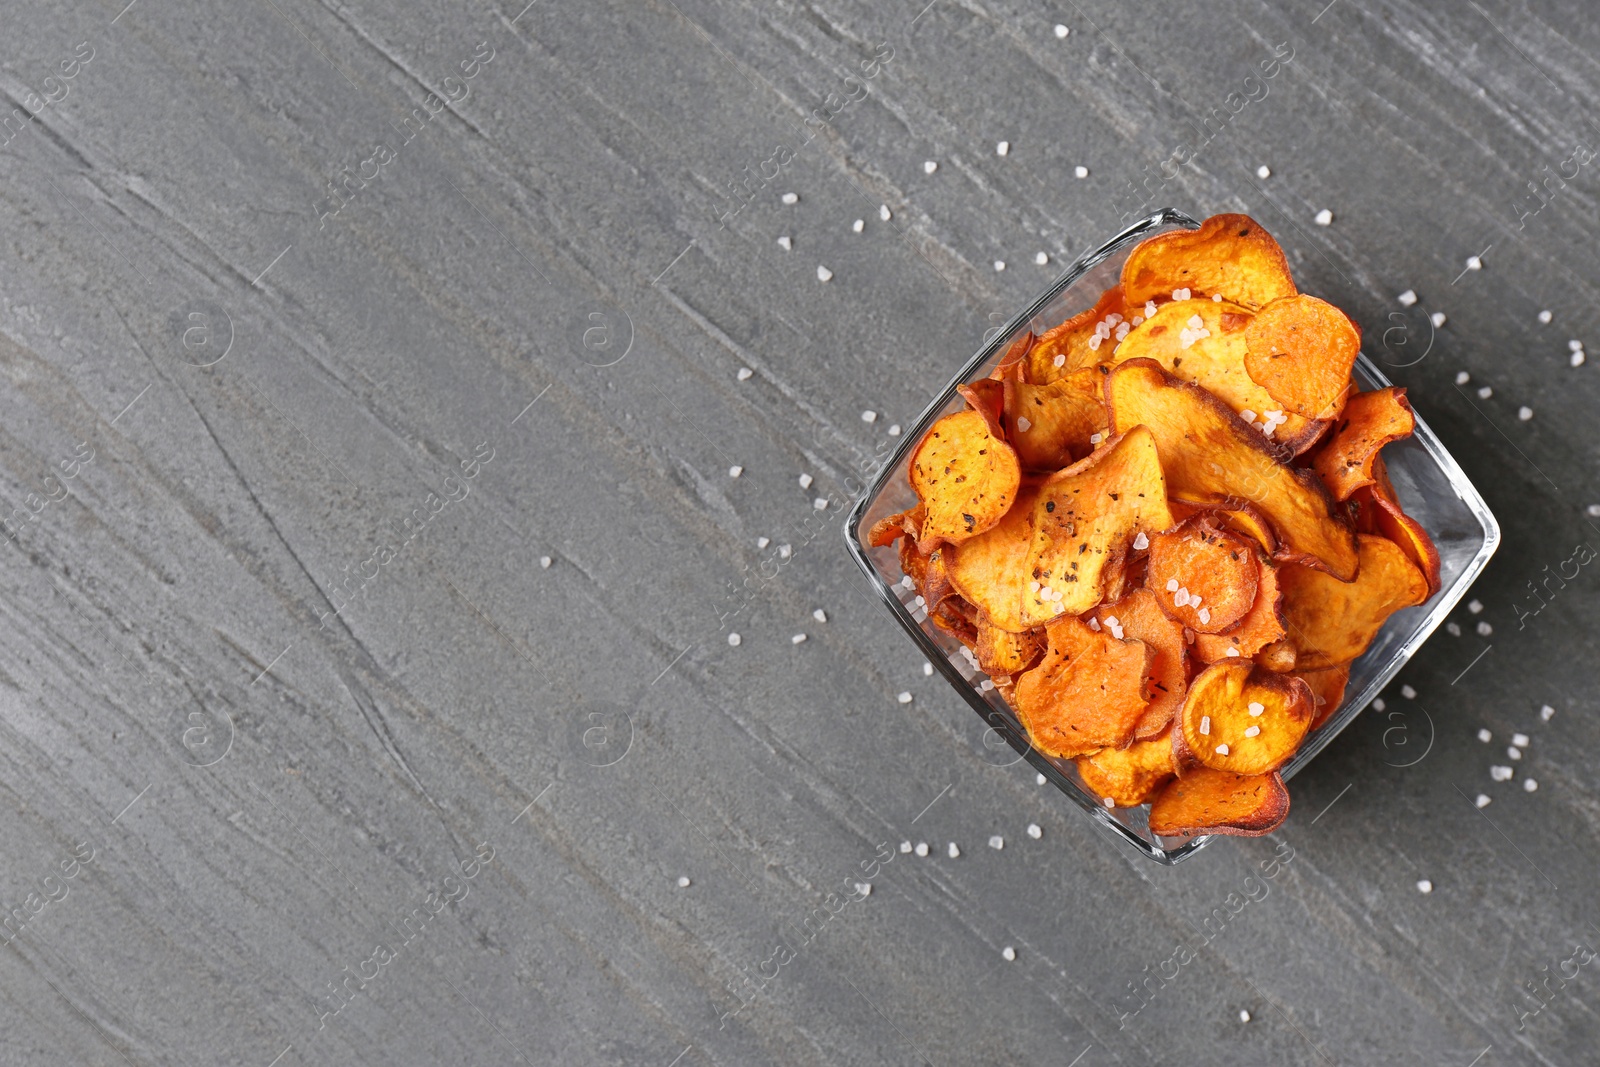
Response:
column 1242, row 719
column 991, row 569
column 1279, row 657
column 1087, row 693
column 1327, row 690
column 1378, row 511
column 1230, row 255
column 1139, row 616
column 1219, row 802
column 1002, row 652
column 1301, row 350
column 965, row 476
column 1202, row 576
column 1129, row 776
column 1050, row 425
column 1208, row 454
column 1083, row 521
column 1072, row 345
column 1203, row 341
column 888, row 530
column 1370, row 421
column 1015, row 357
column 987, row 397
column 1262, row 626
column 1332, row 622
column 1237, row 515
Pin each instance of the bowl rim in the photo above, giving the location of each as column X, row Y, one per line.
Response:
column 1443, row 601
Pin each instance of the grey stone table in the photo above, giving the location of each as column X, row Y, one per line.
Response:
column 406, row 404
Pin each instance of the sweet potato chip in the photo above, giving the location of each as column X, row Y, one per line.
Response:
column 1218, row 802
column 1073, row 344
column 1279, row 657
column 1129, row 776
column 1262, row 626
column 1202, row 576
column 987, row 397
column 1236, row 515
column 1242, row 719
column 888, row 530
column 1001, row 652
column 1050, row 425
column 1137, row 615
column 1087, row 693
column 1301, row 350
column 1083, row 520
column 1332, row 622
column 1203, row 341
column 991, row 569
column 1209, row 454
column 1230, row 255
column 1370, row 421
column 1378, row 511
column 1327, row 690
column 965, row 476
column 1016, row 355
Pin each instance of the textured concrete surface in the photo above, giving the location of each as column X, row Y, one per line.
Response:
column 372, row 555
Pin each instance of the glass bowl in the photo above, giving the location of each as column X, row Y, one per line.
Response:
column 1431, row 487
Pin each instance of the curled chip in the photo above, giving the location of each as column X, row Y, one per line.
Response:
column 1280, row 656
column 1333, row 622
column 1050, row 426
column 1203, row 577
column 1229, row 255
column 907, row 524
column 991, row 569
column 965, row 476
column 1206, row 801
column 1260, row 628
column 1083, row 520
column 1138, row 615
column 1209, row 454
column 1087, row 692
column 1242, row 719
column 1370, row 421
column 1327, row 689
column 1002, row 652
column 1129, row 776
column 1236, row 515
column 987, row 397
column 1203, row 342
column 1074, row 343
column 1016, row 356
column 1301, row 350
column 1378, row 511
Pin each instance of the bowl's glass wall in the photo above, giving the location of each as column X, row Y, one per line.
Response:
column 1431, row 486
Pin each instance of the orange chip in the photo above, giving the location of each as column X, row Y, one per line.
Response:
column 1016, row 356
column 1242, row 719
column 1050, row 425
column 1262, row 626
column 1218, row 802
column 1072, row 345
column 886, row 531
column 1083, row 521
column 1230, row 255
column 1370, row 421
column 1137, row 615
column 1208, row 454
column 1087, row 693
column 1301, row 350
column 1332, row 622
column 1129, row 776
column 1203, row 577
column 1327, row 690
column 1236, row 515
column 966, row 477
column 1378, row 511
column 1203, row 341
column 1279, row 657
column 991, row 569
column 987, row 397
column 1001, row 652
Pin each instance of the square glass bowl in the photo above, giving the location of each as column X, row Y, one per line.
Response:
column 1432, row 488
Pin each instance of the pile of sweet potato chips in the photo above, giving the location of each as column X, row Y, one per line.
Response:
column 1165, row 530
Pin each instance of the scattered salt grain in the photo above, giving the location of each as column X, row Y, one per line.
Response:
column 824, row 274
column 1323, row 218
column 1244, row 1016
column 821, row 503
column 805, row 481
column 1546, row 712
column 1575, row 345
column 1545, row 317
column 927, row 669
column 1408, row 692
column 790, row 198
column 905, row 582
column 1180, row 599
column 1039, row 779
column 1462, row 377
column 743, row 374
column 1247, row 415
column 1485, row 736
column 1475, row 605
column 1452, row 629
column 1263, row 172
column 1513, row 753
column 1576, row 359
column 1500, row 774
column 1002, row 148
column 1232, row 652
column 734, row 472
column 1008, row 953
column 1114, row 626
column 1407, row 298
column 1482, row 800
column 1424, row 886
column 1252, row 731
column 1033, row 828
column 1061, row 31
column 1108, row 802
column 683, row 882
column 1094, row 624
column 545, row 561
column 1180, row 294
column 1172, row 585
column 922, row 848
column 1041, row 258
column 1149, row 308
column 784, row 551
column 884, row 213
column 1520, row 740
column 858, row 225
column 1061, row 360
column 733, row 640
column 1437, row 318
column 904, row 698
column 820, row 615
column 785, row 242
column 1529, row 785
column 864, row 888
column 1140, row 541
column 1216, row 298
column 1081, row 172
column 929, row 167
column 999, row 264
column 1474, row 263
column 1256, row 708
column 869, row 416
column 894, row 431
column 798, row 639
column 1484, row 629
column 997, row 842
column 985, row 686
column 955, row 853
column 905, row 846
column 1524, row 413
column 1096, row 438
column 1378, row 704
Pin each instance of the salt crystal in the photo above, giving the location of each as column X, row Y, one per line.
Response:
column 1263, row 172
column 683, row 882
column 824, row 274
column 1529, row 784
column 1081, row 172
column 1484, row 629
column 1452, row 629
column 1232, row 652
column 1222, row 750
column 1041, row 258
column 1408, row 692
column 1008, row 953
column 790, row 198
column 858, row 225
column 820, row 615
column 1513, row 753
column 797, row 639
column 1252, row 731
column 1039, row 779
column 1576, row 359
column 997, row 842
column 1244, row 1016
column 884, row 212
column 1378, row 704
column 1407, row 298
column 1061, row 31
column 1023, row 424
column 821, row 503
column 784, row 551
column 1524, row 413
column 545, row 561
column 743, row 373
column 869, row 416
column 1205, row 725
column 1545, row 317
column 805, row 481
column 922, row 848
column 905, row 846
column 1474, row 263
column 1256, row 708
column 904, row 698
column 927, row 669
column 1323, row 218
column 1475, row 605
column 954, row 852
column 929, row 167
column 864, row 888
column 1546, row 712
column 894, row 431
column 785, row 242
column 1033, row 828
column 763, row 542
column 735, row 471
column 1424, row 886
column 1575, row 345
column 999, row 264
column 1499, row 773
column 1437, row 318
column 1003, row 148
column 1485, row 736
column 1180, row 294
column 1172, row 585
column 1205, row 616
column 1482, row 800
column 1520, row 740
column 733, row 640
column 1140, row 541
column 1462, row 377
column 1247, row 415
